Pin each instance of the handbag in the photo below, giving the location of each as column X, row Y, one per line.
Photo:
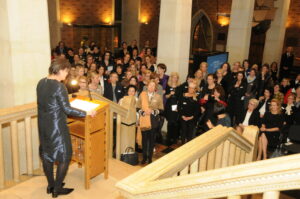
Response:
column 130, row 156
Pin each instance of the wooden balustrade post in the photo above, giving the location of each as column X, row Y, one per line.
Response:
column 28, row 138
column 237, row 156
column 15, row 150
column 271, row 195
column 219, row 154
column 111, row 134
column 225, row 156
column 211, row 159
column 251, row 134
column 232, row 149
column 1, row 160
column 203, row 163
column 118, row 138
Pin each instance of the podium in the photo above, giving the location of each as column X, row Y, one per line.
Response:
column 90, row 139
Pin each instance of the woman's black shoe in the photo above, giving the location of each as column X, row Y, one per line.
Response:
column 143, row 161
column 50, row 189
column 61, row 191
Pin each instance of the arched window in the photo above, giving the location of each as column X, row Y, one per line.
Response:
column 202, row 33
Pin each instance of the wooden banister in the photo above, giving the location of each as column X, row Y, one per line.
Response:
column 219, row 147
column 13, row 116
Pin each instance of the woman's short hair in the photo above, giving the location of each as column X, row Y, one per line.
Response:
column 131, row 86
column 92, row 75
column 58, row 65
column 254, row 102
column 219, row 109
column 162, row 66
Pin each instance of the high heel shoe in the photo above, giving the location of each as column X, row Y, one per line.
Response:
column 61, row 191
column 50, row 189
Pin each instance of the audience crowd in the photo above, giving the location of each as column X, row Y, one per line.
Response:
column 236, row 95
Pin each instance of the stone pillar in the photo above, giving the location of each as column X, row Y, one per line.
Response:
column 275, row 35
column 25, row 49
column 54, row 22
column 239, row 33
column 174, row 35
column 130, row 20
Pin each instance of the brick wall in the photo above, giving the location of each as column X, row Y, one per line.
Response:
column 150, row 10
column 87, row 13
column 292, row 36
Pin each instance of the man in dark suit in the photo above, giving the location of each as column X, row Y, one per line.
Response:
column 61, row 48
column 113, row 90
column 287, row 60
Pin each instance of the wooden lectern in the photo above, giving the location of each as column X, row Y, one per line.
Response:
column 90, row 139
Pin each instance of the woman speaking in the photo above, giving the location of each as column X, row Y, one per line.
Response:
column 55, row 142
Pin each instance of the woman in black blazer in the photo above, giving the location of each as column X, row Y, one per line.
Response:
column 264, row 102
column 236, row 98
column 250, row 116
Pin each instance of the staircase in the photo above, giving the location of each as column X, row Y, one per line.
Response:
column 214, row 165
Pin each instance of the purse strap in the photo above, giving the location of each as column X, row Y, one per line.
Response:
column 129, row 149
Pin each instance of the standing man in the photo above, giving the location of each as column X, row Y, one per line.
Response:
column 287, row 60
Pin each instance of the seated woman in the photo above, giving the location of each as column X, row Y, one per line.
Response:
column 264, row 102
column 217, row 96
column 277, row 94
column 272, row 123
column 188, row 109
column 128, row 124
column 221, row 115
column 94, row 85
column 249, row 117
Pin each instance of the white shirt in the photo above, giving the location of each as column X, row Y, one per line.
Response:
column 246, row 120
column 262, row 110
column 102, row 83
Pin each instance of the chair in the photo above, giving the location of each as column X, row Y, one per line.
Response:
column 294, row 135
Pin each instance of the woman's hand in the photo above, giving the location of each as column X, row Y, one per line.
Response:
column 148, row 111
column 209, row 124
column 263, row 128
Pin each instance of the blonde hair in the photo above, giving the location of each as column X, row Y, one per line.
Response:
column 173, row 74
column 254, row 101
column 203, row 63
column 91, row 75
column 278, row 104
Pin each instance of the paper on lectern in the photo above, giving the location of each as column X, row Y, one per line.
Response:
column 83, row 105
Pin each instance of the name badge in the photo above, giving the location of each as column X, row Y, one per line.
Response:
column 119, row 91
column 184, row 103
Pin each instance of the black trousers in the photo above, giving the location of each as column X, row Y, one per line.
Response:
column 172, row 132
column 187, row 130
column 148, row 138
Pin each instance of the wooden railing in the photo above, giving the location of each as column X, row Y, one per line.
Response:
column 11, row 118
column 218, row 148
column 116, row 112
